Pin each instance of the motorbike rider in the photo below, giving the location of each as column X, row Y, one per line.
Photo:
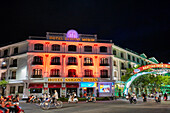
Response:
column 133, row 97
column 144, row 97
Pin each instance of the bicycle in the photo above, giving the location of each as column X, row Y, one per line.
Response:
column 47, row 104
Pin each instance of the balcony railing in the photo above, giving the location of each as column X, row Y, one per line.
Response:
column 54, row 75
column 36, row 76
column 104, row 76
column 104, row 64
column 88, row 64
column 72, row 63
column 88, row 76
column 37, row 63
column 72, row 76
column 13, row 65
column 55, row 63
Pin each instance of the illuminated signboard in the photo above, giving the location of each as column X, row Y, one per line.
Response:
column 88, row 84
column 104, row 88
column 90, row 79
column 71, row 35
column 151, row 66
column 72, row 79
column 55, row 79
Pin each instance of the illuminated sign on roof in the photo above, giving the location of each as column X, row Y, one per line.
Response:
column 72, row 34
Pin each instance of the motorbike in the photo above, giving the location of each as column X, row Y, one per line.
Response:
column 72, row 99
column 47, row 104
column 90, row 99
column 133, row 100
column 157, row 99
column 144, row 99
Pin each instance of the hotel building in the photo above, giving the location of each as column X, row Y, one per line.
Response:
column 65, row 62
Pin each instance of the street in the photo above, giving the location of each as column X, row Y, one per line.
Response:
column 117, row 106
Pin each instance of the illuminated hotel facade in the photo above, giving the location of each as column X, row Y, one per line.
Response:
column 65, row 62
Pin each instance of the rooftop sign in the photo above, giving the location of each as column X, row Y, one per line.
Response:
column 71, row 35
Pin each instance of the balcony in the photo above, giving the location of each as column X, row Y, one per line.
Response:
column 88, row 64
column 37, row 63
column 55, row 63
column 104, row 76
column 54, row 75
column 88, row 76
column 13, row 65
column 104, row 64
column 3, row 67
column 72, row 63
column 36, row 76
column 72, row 76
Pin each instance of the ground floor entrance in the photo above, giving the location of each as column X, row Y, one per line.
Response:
column 51, row 91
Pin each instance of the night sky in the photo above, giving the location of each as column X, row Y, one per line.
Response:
column 142, row 26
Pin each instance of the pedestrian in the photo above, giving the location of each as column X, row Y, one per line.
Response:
column 165, row 96
column 144, row 97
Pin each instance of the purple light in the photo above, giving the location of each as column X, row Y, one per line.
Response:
column 72, row 34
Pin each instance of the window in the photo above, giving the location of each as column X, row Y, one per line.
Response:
column 104, row 73
column 14, row 64
column 13, row 75
column 103, row 49
column 12, row 90
column 55, row 47
column 72, row 61
column 38, row 60
column 35, row 90
column 38, row 46
column 114, row 62
column 72, row 48
column 88, row 73
column 88, row 61
column 3, row 76
column 6, row 52
column 129, row 58
column 142, row 62
column 115, row 74
column 37, row 73
column 122, row 66
column 114, row 52
column 121, row 55
column 133, row 58
column 87, row 48
column 138, row 60
column 129, row 65
column 16, row 50
column 55, row 61
column 72, row 73
column 104, row 62
column 20, row 89
column 55, row 73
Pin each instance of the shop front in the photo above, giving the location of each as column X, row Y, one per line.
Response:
column 54, row 86
column 87, row 88
column 35, row 88
column 72, row 87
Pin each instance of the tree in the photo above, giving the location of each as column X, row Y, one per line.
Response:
column 3, row 84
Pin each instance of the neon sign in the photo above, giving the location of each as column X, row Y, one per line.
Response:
column 72, row 34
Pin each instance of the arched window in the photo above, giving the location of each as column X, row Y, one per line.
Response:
column 55, row 61
column 104, row 73
column 55, row 73
column 55, row 47
column 72, row 61
column 122, row 66
column 87, row 48
column 114, row 62
column 104, row 62
column 88, row 73
column 122, row 55
column 88, row 61
column 38, row 46
column 115, row 74
column 38, row 60
column 37, row 73
column 72, row 48
column 72, row 73
column 103, row 49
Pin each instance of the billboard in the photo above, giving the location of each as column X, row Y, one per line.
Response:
column 104, row 88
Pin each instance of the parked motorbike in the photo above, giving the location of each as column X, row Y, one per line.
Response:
column 157, row 99
column 90, row 99
column 133, row 100
column 72, row 99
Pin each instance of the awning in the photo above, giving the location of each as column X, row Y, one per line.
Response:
column 54, row 85
column 36, row 85
column 72, row 85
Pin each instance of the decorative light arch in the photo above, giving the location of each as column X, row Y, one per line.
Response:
column 139, row 73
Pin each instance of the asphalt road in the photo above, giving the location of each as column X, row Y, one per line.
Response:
column 118, row 106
